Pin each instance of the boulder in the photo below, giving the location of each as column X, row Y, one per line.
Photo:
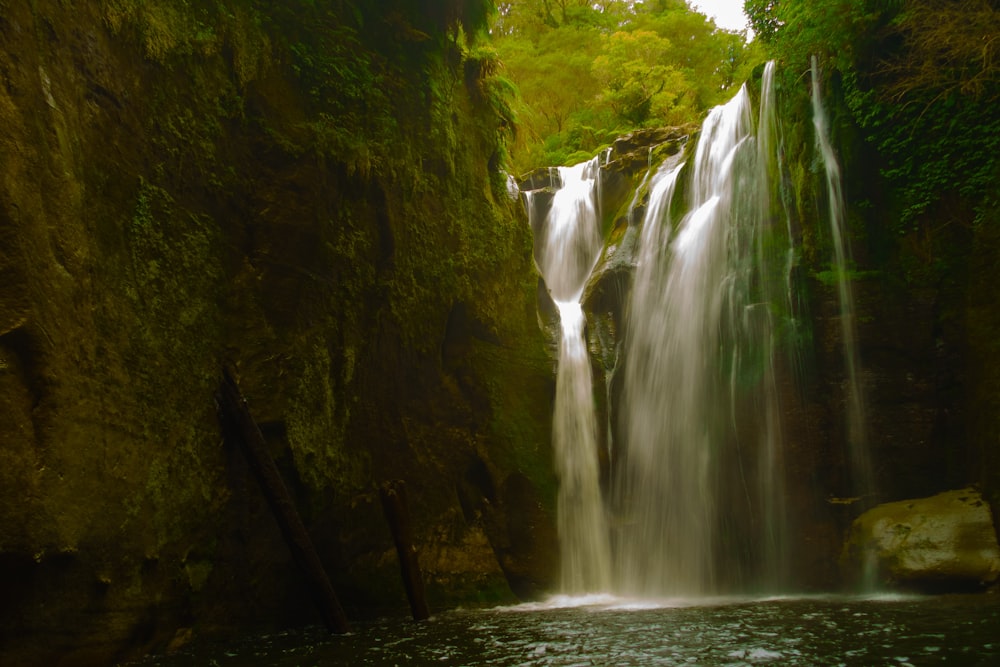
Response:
column 943, row 543
column 650, row 137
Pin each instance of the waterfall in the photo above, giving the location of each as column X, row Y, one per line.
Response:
column 863, row 483
column 696, row 502
column 648, row 524
column 770, row 148
column 698, row 333
column 760, row 330
column 571, row 242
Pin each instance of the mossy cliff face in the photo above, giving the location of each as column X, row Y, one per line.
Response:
column 925, row 339
column 307, row 195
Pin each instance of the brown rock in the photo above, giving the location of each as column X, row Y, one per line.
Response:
column 945, row 542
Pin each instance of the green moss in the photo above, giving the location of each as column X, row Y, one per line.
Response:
column 520, row 389
column 831, row 277
column 242, row 209
column 165, row 29
column 318, row 415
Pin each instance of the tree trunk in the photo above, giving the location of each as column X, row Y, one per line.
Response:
column 393, row 495
column 238, row 426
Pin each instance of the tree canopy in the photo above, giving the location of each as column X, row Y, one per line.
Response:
column 921, row 80
column 590, row 71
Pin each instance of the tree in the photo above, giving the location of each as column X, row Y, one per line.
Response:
column 921, row 80
column 554, row 77
column 588, row 71
column 530, row 18
column 763, row 17
column 944, row 47
column 634, row 71
column 711, row 60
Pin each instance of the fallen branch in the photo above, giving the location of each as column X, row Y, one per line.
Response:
column 393, row 495
column 238, row 426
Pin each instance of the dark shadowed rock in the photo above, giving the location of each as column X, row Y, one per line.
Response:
column 167, row 208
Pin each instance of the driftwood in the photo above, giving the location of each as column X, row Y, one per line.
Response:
column 393, row 495
column 238, row 425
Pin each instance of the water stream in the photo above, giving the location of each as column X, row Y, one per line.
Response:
column 571, row 242
column 857, row 437
column 702, row 449
column 666, row 479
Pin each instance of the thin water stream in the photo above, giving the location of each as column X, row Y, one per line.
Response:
column 857, row 432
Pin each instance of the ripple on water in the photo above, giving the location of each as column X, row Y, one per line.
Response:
column 603, row 630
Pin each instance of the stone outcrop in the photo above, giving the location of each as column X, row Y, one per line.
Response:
column 622, row 167
column 946, row 542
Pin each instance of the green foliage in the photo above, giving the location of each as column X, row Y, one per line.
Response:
column 636, row 79
column 832, row 276
column 471, row 17
column 935, row 153
column 554, row 76
column 763, row 17
column 614, row 65
column 712, row 60
column 531, row 18
column 481, row 62
column 164, row 28
column 920, row 80
column 335, row 62
column 501, row 95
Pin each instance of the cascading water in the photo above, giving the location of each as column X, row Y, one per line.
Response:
column 697, row 486
column 857, row 437
column 769, row 151
column 761, row 331
column 571, row 242
column 648, row 527
column 699, row 342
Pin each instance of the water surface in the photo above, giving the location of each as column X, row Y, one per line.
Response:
column 605, row 630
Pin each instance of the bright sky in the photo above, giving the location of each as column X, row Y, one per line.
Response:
column 728, row 14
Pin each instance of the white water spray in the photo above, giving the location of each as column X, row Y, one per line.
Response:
column 572, row 243
column 667, row 479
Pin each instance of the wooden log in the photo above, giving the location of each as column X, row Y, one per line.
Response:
column 393, row 495
column 239, row 427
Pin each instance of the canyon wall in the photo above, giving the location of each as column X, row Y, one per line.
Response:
column 311, row 196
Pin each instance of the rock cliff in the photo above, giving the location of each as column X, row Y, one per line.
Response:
column 309, row 194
